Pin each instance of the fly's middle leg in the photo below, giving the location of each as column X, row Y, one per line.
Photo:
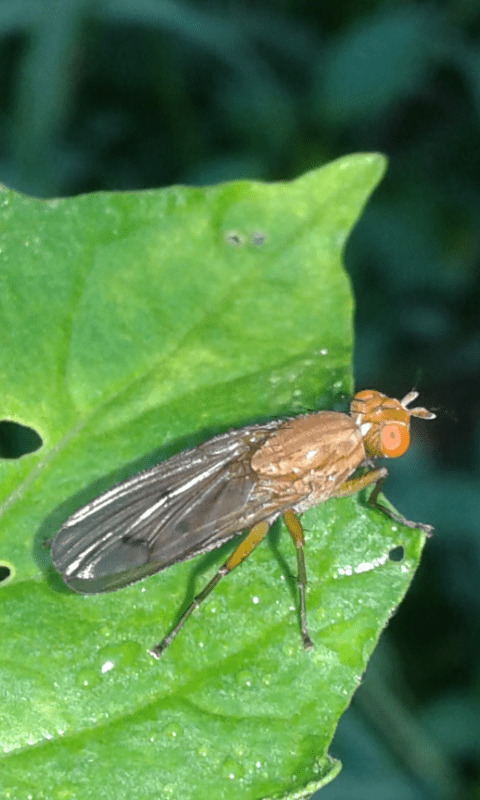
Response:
column 295, row 530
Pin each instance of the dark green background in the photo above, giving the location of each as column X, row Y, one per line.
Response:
column 123, row 96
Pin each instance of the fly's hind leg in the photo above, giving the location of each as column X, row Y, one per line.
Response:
column 254, row 537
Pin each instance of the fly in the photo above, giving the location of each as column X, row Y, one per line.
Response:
column 242, row 480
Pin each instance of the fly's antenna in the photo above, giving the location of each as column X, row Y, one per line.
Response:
column 418, row 411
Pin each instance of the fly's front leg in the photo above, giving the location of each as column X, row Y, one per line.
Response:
column 254, row 537
column 377, row 477
column 295, row 530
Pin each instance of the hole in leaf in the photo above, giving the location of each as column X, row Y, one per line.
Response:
column 258, row 238
column 4, row 572
column 397, row 554
column 234, row 238
column 17, row 440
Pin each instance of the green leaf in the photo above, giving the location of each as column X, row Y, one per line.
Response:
column 134, row 325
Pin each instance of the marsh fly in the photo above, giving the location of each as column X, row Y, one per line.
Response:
column 242, row 480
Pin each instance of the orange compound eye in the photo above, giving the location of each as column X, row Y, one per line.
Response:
column 395, row 440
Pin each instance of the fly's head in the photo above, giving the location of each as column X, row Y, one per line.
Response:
column 385, row 422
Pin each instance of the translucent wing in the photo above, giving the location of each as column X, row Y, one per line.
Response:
column 187, row 505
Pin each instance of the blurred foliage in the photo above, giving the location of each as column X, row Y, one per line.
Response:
column 125, row 94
